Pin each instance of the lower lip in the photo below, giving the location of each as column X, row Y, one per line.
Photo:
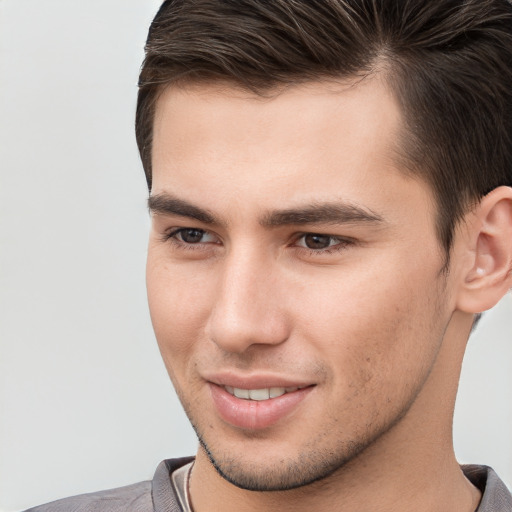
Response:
column 254, row 414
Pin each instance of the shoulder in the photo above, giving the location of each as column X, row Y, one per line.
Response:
column 136, row 498
column 155, row 495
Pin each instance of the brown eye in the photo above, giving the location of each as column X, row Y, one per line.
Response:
column 314, row 241
column 191, row 236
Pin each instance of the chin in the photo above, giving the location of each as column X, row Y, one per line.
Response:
column 280, row 474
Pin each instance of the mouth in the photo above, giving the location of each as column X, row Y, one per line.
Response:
column 260, row 395
column 257, row 407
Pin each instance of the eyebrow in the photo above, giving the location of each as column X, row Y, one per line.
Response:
column 322, row 213
column 169, row 205
column 315, row 213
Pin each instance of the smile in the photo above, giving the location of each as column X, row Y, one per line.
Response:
column 258, row 407
column 260, row 394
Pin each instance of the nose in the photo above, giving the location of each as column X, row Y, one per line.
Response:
column 247, row 309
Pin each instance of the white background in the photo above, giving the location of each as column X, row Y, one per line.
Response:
column 85, row 402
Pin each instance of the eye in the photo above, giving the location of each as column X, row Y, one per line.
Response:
column 192, row 236
column 318, row 242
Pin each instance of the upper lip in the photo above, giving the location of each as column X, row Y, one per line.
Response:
column 255, row 381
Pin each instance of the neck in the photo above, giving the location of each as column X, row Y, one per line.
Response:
column 410, row 467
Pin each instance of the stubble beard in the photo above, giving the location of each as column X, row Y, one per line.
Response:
column 316, row 461
column 311, row 465
column 305, row 470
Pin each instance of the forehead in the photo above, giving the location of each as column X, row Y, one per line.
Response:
column 217, row 144
column 348, row 113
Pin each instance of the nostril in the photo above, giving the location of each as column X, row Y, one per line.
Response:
column 238, row 335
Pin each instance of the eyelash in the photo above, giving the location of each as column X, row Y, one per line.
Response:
column 171, row 237
column 341, row 244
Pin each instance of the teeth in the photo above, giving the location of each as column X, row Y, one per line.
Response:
column 275, row 392
column 259, row 394
column 241, row 393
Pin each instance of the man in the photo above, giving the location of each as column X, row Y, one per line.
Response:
column 331, row 198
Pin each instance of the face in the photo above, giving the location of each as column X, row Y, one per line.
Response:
column 293, row 275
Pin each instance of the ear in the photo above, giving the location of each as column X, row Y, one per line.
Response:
column 487, row 275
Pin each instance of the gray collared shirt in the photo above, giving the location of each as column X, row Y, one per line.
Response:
column 159, row 494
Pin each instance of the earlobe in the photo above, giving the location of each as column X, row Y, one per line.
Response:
column 489, row 242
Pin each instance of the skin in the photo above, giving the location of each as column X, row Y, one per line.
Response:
column 366, row 318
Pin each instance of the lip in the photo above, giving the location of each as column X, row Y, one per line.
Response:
column 256, row 415
column 255, row 381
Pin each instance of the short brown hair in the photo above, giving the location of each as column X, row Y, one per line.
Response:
column 448, row 62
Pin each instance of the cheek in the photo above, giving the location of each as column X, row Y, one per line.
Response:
column 178, row 303
column 377, row 329
column 380, row 348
